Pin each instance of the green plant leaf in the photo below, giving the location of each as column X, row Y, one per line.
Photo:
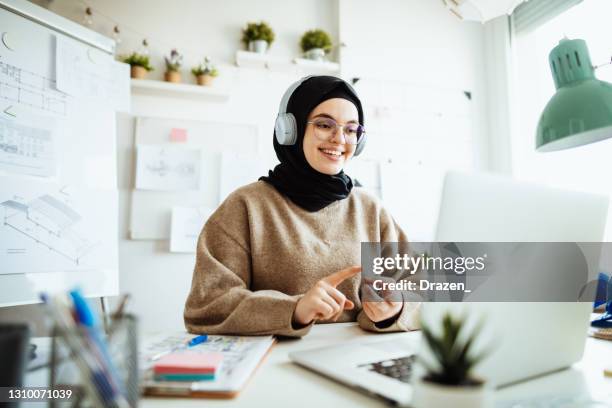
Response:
column 453, row 356
column 315, row 39
column 138, row 60
column 258, row 31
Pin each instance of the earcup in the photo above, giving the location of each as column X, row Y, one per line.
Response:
column 285, row 129
column 361, row 145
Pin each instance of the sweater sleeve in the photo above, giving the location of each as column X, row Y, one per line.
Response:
column 409, row 316
column 220, row 300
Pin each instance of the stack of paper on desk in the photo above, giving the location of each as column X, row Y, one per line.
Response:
column 187, row 366
column 240, row 357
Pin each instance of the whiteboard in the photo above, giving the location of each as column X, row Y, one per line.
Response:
column 58, row 188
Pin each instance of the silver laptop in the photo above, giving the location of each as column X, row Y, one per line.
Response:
column 531, row 338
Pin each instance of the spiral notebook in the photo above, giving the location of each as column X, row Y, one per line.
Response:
column 241, row 357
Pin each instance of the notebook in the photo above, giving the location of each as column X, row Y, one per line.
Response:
column 240, row 357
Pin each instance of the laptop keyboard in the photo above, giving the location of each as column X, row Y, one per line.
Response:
column 397, row 368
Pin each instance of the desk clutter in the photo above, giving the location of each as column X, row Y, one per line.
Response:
column 100, row 367
column 109, row 368
column 219, row 366
column 601, row 333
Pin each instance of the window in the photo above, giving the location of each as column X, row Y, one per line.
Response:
column 585, row 168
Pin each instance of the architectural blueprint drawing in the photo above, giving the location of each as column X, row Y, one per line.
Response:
column 47, row 222
column 27, row 149
column 30, row 89
column 45, row 227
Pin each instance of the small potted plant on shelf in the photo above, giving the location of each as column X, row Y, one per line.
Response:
column 449, row 382
column 173, row 66
column 205, row 72
column 257, row 37
column 315, row 44
column 139, row 65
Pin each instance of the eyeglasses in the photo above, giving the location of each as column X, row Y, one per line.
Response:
column 325, row 129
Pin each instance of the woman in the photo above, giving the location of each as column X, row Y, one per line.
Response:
column 282, row 253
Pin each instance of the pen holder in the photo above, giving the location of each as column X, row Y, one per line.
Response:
column 75, row 357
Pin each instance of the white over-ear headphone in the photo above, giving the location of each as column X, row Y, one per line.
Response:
column 285, row 127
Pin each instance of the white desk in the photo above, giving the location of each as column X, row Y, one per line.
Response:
column 280, row 383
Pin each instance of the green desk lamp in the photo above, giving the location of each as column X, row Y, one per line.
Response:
column 580, row 112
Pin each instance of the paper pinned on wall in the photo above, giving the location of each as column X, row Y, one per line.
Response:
column 187, row 223
column 168, row 168
column 238, row 170
column 178, row 135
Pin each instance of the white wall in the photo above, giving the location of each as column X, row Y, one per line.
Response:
column 414, row 39
column 416, row 59
column 202, row 27
column 417, row 42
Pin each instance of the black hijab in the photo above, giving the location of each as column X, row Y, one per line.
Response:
column 294, row 177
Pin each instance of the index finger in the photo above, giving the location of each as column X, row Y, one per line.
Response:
column 336, row 278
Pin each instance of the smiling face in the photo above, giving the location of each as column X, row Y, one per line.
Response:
column 330, row 156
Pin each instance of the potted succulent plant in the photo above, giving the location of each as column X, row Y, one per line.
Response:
column 205, row 72
column 315, row 44
column 450, row 383
column 139, row 65
column 257, row 37
column 173, row 66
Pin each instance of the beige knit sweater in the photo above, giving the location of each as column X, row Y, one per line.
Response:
column 259, row 252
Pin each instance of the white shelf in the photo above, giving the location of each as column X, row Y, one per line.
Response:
column 323, row 66
column 162, row 88
column 274, row 63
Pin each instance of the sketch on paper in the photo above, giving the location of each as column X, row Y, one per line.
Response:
column 46, row 227
column 187, row 223
column 26, row 149
column 33, row 90
column 85, row 72
column 48, row 222
column 167, row 168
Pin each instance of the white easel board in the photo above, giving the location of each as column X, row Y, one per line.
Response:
column 58, row 188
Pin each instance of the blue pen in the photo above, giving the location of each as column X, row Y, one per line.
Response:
column 97, row 384
column 87, row 318
column 193, row 342
column 197, row 340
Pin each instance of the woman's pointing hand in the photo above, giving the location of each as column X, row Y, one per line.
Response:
column 323, row 301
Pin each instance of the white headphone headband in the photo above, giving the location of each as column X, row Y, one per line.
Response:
column 285, row 99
